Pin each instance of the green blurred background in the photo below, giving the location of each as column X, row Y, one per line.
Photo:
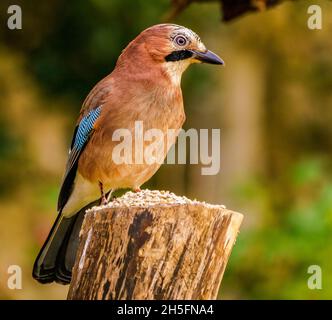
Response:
column 272, row 102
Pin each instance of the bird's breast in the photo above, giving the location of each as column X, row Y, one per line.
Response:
column 132, row 137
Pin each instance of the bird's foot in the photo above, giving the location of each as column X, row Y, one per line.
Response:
column 103, row 201
column 103, row 198
column 137, row 190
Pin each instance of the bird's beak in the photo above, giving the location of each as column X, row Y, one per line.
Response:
column 207, row 57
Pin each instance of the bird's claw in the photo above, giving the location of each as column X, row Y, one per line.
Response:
column 103, row 201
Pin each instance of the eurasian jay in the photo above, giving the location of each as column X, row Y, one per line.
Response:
column 144, row 86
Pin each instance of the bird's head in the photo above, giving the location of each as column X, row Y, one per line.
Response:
column 170, row 47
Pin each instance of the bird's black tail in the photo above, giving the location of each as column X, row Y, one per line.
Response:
column 57, row 256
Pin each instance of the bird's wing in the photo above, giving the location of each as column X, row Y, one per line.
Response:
column 82, row 134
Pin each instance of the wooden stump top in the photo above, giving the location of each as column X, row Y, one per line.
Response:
column 153, row 245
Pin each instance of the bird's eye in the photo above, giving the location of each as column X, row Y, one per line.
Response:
column 180, row 40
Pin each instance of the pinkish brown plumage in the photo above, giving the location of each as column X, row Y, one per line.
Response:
column 144, row 86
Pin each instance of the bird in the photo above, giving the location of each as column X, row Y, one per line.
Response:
column 145, row 85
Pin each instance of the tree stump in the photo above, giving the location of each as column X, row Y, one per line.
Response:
column 153, row 245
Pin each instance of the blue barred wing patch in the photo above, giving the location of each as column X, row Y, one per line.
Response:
column 81, row 136
column 85, row 128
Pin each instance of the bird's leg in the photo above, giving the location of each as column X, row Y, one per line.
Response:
column 137, row 189
column 103, row 200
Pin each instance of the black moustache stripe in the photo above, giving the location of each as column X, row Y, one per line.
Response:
column 179, row 55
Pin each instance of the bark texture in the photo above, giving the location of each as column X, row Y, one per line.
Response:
column 160, row 251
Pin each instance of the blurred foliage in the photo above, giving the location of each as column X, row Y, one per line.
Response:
column 274, row 258
column 272, row 102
